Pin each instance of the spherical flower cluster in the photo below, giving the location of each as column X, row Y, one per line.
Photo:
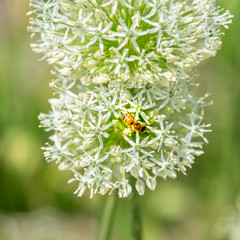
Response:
column 116, row 57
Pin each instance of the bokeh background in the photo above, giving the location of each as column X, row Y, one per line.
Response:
column 36, row 203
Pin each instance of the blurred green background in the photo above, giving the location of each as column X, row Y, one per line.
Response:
column 36, row 203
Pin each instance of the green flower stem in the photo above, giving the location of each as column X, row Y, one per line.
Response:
column 136, row 215
column 107, row 217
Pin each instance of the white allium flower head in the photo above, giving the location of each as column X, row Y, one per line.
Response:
column 115, row 57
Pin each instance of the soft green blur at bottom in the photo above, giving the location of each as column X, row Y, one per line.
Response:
column 36, row 203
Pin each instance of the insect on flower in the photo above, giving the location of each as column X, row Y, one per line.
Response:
column 133, row 125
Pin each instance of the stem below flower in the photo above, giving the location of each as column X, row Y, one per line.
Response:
column 136, row 215
column 107, row 218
